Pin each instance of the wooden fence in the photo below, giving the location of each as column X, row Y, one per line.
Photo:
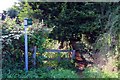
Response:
column 53, row 50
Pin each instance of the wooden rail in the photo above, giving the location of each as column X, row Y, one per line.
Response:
column 53, row 50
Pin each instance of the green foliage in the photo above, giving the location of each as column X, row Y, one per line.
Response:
column 108, row 42
column 38, row 39
column 33, row 73
column 12, row 49
column 66, row 64
column 40, row 73
column 64, row 17
column 13, row 43
column 12, row 13
column 97, row 73
column 51, row 42
column 10, row 24
column 61, row 73
column 70, row 21
column 25, row 12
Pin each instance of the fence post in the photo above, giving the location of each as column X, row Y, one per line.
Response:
column 59, row 56
column 73, row 54
column 34, row 56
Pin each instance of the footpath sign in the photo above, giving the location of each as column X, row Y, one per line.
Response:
column 27, row 22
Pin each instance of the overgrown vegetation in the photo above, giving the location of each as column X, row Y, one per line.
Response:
column 92, row 29
column 97, row 73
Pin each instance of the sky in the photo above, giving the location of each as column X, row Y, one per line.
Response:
column 5, row 4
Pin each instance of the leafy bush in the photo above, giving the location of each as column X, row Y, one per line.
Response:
column 67, row 64
column 61, row 73
column 34, row 73
column 40, row 73
column 13, row 42
column 92, row 73
column 97, row 73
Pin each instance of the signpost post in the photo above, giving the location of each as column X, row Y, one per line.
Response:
column 27, row 22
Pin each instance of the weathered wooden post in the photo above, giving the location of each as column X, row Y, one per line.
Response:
column 59, row 56
column 73, row 54
column 34, row 56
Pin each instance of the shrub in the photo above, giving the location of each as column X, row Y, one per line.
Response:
column 13, row 43
column 61, row 73
column 97, row 73
column 17, row 73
